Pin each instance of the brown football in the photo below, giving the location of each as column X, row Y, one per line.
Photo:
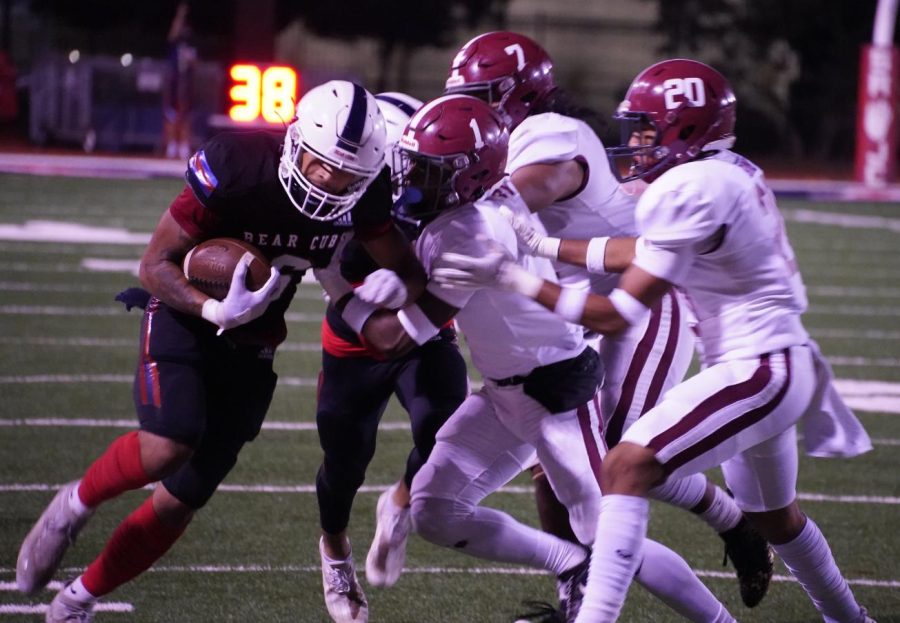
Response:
column 210, row 265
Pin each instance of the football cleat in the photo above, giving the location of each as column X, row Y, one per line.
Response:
column 753, row 559
column 864, row 616
column 66, row 609
column 46, row 544
column 384, row 563
column 344, row 597
column 574, row 582
column 541, row 612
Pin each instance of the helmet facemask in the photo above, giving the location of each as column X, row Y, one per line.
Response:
column 312, row 201
column 428, row 183
column 495, row 93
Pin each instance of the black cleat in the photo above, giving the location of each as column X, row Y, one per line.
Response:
column 574, row 583
column 542, row 612
column 753, row 560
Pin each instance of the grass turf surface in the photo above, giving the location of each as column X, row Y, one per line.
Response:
column 67, row 351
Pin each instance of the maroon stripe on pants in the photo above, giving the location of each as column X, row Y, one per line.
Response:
column 665, row 362
column 590, row 442
column 638, row 361
column 718, row 401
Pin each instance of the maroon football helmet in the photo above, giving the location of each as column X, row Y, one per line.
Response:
column 507, row 70
column 452, row 151
column 689, row 105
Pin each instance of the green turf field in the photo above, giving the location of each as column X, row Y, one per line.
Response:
column 67, row 352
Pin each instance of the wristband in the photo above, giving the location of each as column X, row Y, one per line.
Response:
column 570, row 304
column 594, row 259
column 549, row 247
column 516, row 279
column 631, row 309
column 356, row 312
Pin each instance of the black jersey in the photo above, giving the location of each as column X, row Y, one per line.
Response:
column 234, row 191
column 234, row 177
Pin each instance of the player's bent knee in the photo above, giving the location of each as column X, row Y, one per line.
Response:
column 781, row 525
column 437, row 520
column 161, row 456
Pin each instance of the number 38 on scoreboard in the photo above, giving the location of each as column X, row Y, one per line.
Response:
column 262, row 92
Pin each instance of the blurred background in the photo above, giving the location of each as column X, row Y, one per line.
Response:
column 98, row 74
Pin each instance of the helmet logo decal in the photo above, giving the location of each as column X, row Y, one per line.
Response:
column 516, row 49
column 691, row 89
column 479, row 142
column 408, row 142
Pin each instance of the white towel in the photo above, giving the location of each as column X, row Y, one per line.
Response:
column 829, row 427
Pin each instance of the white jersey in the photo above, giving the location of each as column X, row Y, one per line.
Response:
column 508, row 334
column 602, row 207
column 712, row 228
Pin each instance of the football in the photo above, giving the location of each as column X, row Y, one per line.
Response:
column 210, row 265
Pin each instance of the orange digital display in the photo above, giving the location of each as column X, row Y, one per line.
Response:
column 269, row 92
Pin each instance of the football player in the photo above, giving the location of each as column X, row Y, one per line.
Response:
column 559, row 171
column 540, row 376
column 355, row 385
column 205, row 379
column 709, row 225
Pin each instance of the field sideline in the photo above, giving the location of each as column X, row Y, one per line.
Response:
column 67, row 351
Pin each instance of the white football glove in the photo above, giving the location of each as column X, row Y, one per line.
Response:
column 241, row 305
column 529, row 239
column 494, row 270
column 383, row 287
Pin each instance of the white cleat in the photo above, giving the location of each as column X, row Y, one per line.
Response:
column 344, row 597
column 46, row 544
column 384, row 563
column 66, row 609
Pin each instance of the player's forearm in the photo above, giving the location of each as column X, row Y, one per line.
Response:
column 165, row 280
column 600, row 255
column 581, row 307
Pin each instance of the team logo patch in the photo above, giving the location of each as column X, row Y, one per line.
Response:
column 409, row 142
column 202, row 171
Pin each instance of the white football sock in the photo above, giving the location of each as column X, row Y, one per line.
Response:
column 684, row 492
column 76, row 505
column 78, row 592
column 809, row 559
column 665, row 574
column 497, row 536
column 723, row 514
column 617, row 553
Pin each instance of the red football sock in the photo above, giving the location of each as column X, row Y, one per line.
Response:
column 119, row 469
column 139, row 541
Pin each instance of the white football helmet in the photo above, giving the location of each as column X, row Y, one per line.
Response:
column 339, row 123
column 397, row 109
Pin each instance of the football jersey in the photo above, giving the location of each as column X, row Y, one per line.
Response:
column 711, row 227
column 601, row 207
column 508, row 334
column 234, row 191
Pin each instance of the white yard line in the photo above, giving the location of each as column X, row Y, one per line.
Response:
column 858, row 221
column 875, row 396
column 878, row 500
column 265, row 568
column 53, row 422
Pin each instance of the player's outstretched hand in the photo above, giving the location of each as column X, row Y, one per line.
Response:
column 241, row 305
column 465, row 272
column 529, row 239
column 384, row 288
